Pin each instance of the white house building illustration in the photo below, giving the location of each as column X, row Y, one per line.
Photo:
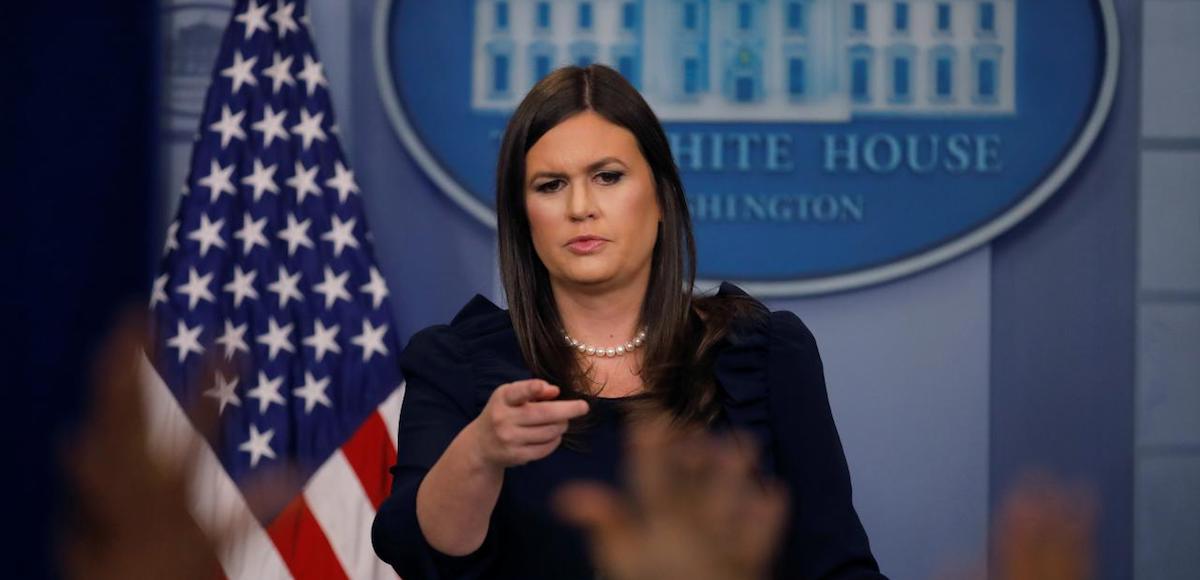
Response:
column 760, row 60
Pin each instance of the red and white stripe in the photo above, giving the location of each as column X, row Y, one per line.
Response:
column 324, row 532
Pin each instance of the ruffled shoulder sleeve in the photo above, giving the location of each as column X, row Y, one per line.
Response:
column 469, row 357
column 773, row 385
column 741, row 371
column 493, row 357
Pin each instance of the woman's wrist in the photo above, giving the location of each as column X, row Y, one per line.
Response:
column 474, row 453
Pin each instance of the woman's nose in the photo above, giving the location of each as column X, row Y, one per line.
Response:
column 580, row 204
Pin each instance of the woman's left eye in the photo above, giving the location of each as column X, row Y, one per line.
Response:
column 609, row 177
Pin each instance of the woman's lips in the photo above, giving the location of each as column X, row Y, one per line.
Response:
column 589, row 246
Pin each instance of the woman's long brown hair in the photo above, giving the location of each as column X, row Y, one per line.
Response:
column 683, row 330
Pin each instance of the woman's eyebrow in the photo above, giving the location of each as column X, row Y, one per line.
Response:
column 590, row 168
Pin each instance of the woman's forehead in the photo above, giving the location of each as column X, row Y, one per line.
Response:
column 580, row 141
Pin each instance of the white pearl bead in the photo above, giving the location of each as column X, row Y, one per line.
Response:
column 619, row 350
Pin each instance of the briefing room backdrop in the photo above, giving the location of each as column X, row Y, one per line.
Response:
column 1063, row 338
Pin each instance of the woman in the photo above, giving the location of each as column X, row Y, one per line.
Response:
column 598, row 262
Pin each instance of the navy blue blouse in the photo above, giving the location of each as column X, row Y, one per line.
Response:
column 773, row 386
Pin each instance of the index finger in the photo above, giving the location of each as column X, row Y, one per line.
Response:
column 546, row 412
column 521, row 392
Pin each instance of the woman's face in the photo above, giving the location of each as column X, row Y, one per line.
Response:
column 590, row 198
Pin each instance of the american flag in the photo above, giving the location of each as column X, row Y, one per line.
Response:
column 269, row 264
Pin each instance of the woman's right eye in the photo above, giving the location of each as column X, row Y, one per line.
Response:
column 549, row 186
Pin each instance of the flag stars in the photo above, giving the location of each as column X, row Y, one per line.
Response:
column 254, row 18
column 224, row 392
column 234, row 339
column 333, row 287
column 230, row 126
column 280, row 72
column 284, row 19
column 237, row 144
column 371, row 340
column 309, row 128
column 251, row 233
column 241, row 72
column 341, row 235
column 287, row 287
column 196, row 288
column 186, row 340
column 323, row 340
column 208, row 234
column 276, row 338
column 242, row 286
column 219, row 180
column 313, row 75
column 267, row 392
column 262, row 179
column 271, row 125
column 159, row 292
column 238, row 169
column 313, row 392
column 296, row 234
column 342, row 181
column 377, row 288
column 304, row 181
column 258, row 445
column 172, row 242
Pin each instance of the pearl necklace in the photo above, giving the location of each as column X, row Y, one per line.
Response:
column 618, row 350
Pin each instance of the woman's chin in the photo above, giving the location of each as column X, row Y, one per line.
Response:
column 589, row 277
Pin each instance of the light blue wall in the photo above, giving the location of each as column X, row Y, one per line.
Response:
column 1063, row 328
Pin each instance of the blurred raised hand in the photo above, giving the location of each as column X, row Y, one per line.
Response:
column 126, row 514
column 696, row 509
column 1045, row 532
